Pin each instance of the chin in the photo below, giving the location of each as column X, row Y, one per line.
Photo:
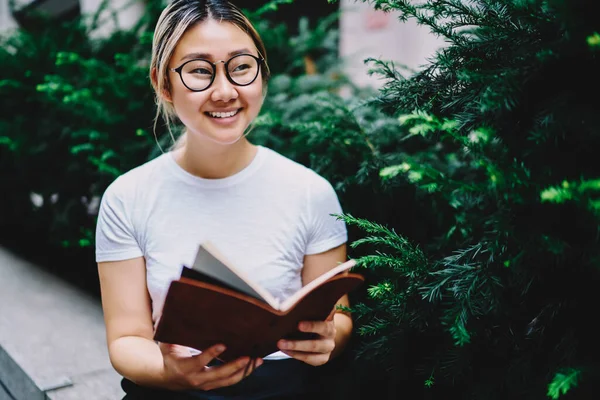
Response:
column 223, row 139
column 229, row 141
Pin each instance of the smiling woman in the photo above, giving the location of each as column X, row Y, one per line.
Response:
column 269, row 214
column 215, row 42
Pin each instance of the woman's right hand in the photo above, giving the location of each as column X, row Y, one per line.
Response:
column 183, row 371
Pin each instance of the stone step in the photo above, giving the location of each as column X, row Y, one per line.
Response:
column 52, row 338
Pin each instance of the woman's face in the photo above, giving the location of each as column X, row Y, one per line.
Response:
column 215, row 41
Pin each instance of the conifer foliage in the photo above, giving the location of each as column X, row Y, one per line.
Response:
column 499, row 135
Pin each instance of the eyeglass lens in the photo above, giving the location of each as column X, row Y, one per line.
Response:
column 198, row 74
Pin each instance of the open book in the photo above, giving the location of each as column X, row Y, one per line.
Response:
column 215, row 302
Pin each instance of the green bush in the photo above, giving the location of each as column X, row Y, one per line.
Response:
column 75, row 114
column 499, row 138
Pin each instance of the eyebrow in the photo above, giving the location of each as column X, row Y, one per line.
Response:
column 208, row 56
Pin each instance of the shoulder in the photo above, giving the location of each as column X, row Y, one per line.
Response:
column 293, row 172
column 125, row 186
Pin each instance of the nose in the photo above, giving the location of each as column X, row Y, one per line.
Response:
column 222, row 89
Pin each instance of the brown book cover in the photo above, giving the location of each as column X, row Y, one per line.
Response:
column 213, row 302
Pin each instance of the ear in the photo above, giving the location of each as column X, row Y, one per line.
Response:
column 165, row 94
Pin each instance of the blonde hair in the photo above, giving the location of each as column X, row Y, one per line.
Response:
column 173, row 23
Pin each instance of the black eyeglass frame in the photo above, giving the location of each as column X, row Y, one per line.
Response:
column 259, row 61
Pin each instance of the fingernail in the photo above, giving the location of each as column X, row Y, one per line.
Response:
column 220, row 348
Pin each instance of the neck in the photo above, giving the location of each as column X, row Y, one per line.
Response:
column 215, row 161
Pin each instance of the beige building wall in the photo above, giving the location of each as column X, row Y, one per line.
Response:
column 366, row 33
column 128, row 13
column 7, row 22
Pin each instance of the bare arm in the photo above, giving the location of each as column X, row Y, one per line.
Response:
column 128, row 319
column 335, row 332
column 129, row 333
column 318, row 264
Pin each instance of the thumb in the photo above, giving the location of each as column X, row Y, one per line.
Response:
column 331, row 314
column 174, row 350
column 164, row 347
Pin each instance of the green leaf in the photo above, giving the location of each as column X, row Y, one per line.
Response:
column 393, row 170
column 104, row 167
column 430, row 381
column 380, row 290
column 594, row 40
column 415, row 176
column 459, row 332
column 81, row 147
column 8, row 142
column 108, row 154
column 590, row 185
column 273, row 5
column 563, row 382
column 556, row 195
column 10, row 83
column 481, row 135
column 343, row 308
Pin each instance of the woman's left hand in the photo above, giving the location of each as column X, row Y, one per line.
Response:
column 315, row 351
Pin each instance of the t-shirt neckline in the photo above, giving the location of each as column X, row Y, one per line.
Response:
column 234, row 179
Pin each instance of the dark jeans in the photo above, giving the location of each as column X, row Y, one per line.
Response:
column 276, row 379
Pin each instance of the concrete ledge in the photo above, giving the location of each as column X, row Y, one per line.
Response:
column 16, row 383
column 52, row 338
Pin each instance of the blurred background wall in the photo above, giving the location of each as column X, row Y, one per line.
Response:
column 126, row 11
column 364, row 32
column 6, row 19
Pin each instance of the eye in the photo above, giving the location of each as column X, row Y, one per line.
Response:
column 201, row 71
column 199, row 68
column 241, row 67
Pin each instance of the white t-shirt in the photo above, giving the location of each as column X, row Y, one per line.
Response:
column 264, row 219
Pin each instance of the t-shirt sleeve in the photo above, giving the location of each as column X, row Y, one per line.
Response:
column 325, row 231
column 115, row 238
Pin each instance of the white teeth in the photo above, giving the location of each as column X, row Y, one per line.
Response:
column 223, row 114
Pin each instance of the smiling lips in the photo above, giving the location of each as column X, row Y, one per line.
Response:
column 223, row 114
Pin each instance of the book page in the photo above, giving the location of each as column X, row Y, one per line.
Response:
column 290, row 301
column 211, row 262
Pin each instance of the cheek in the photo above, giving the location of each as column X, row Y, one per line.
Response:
column 186, row 101
column 254, row 97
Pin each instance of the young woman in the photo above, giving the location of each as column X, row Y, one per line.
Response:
column 268, row 214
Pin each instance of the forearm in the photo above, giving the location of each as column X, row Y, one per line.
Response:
column 139, row 360
column 343, row 327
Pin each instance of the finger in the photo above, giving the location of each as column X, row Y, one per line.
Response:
column 174, row 350
column 165, row 347
column 331, row 314
column 314, row 359
column 307, row 346
column 208, row 355
column 225, row 377
column 226, row 370
column 323, row 328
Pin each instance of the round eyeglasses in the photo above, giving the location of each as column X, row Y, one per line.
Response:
column 198, row 74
